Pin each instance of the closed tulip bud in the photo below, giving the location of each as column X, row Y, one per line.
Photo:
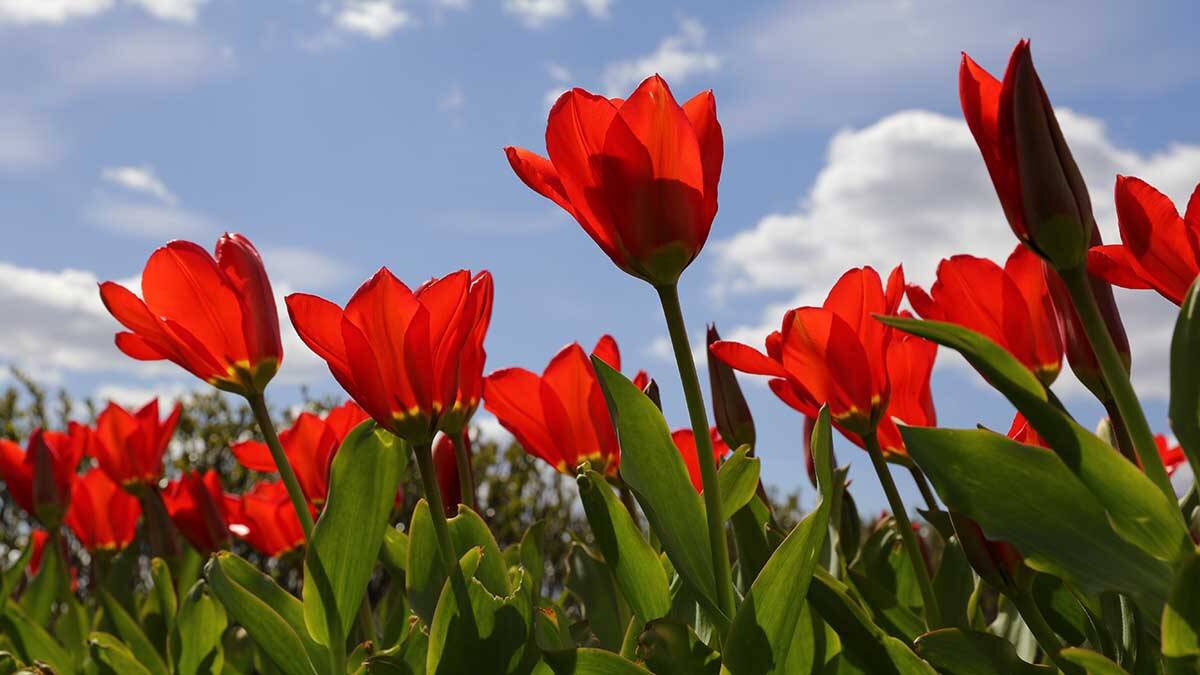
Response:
column 730, row 410
column 446, row 465
column 650, row 389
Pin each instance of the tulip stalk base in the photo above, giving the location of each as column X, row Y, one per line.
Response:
column 466, row 476
column 669, row 296
column 1115, row 376
column 259, row 405
column 933, row 613
column 458, row 584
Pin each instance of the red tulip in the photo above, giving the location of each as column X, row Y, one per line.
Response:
column 560, row 416
column 470, row 368
column 1009, row 305
column 264, row 519
column 37, row 539
column 400, row 354
column 310, row 445
column 40, row 478
column 102, row 515
column 1159, row 250
column 215, row 318
column 1172, row 455
column 1037, row 180
column 446, row 464
column 129, row 447
column 640, row 175
column 835, row 354
column 685, row 440
column 197, row 506
column 909, row 365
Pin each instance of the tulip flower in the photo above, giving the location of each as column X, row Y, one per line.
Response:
column 400, row 354
column 910, row 366
column 730, row 410
column 310, row 445
column 639, row 175
column 37, row 539
column 447, row 473
column 471, row 362
column 1040, row 188
column 685, row 440
column 1159, row 249
column 1011, row 306
column 40, row 478
column 835, row 354
column 198, row 508
column 264, row 519
column 102, row 515
column 215, row 318
column 129, row 447
column 1171, row 454
column 561, row 416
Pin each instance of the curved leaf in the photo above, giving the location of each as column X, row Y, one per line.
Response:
column 1093, row 662
column 200, row 623
column 494, row 643
column 1184, row 407
column 131, row 633
column 32, row 641
column 738, row 478
column 593, row 585
column 954, row 650
column 1181, row 616
column 587, row 661
column 424, row 574
column 669, row 647
column 110, row 652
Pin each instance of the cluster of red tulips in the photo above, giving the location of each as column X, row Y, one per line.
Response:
column 1076, row 540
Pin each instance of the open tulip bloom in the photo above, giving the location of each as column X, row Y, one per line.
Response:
column 129, row 446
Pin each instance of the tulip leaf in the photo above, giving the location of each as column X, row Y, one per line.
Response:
column 593, row 585
column 1057, row 524
column 364, row 477
column 1139, row 512
column 47, row 585
column 164, row 593
column 1181, row 616
column 532, row 555
column 32, row 641
column 14, row 574
column 394, row 554
column 953, row 584
column 1184, row 407
column 131, row 633
column 1093, row 662
column 259, row 607
column 738, row 478
column 954, row 650
column 652, row 468
column 113, row 655
column 635, row 565
column 669, row 647
column 467, row 531
column 763, row 628
column 199, row 625
column 587, row 661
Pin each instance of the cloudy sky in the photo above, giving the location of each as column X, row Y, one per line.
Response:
column 349, row 134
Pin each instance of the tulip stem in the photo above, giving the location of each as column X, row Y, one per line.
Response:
column 669, row 296
column 1116, row 377
column 933, row 613
column 160, row 532
column 458, row 584
column 259, row 405
column 1046, row 638
column 923, row 485
column 466, row 477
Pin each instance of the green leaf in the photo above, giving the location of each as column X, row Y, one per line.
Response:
column 587, row 661
column 110, row 652
column 407, row 658
column 765, row 623
column 953, row 584
column 669, row 647
column 604, row 607
column 652, row 468
column 1092, row 662
column 533, row 559
column 50, row 582
column 32, row 641
column 493, row 643
column 253, row 608
column 1138, row 511
column 635, row 565
column 750, row 540
column 954, row 650
column 345, row 544
column 1026, row 496
column 885, row 579
column 1184, row 407
column 1062, row 609
column 199, row 625
column 738, row 478
column 1181, row 616
column 467, row 531
column 131, row 633
column 394, row 553
column 13, row 575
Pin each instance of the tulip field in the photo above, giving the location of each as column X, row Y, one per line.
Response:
column 370, row 534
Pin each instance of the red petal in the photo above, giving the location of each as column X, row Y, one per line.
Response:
column 318, row 322
column 702, row 113
column 382, row 311
column 1028, row 273
column 822, row 353
column 243, row 267
column 797, row 399
column 566, row 394
column 538, row 173
column 1112, row 263
column 137, row 347
column 254, row 455
column 607, row 351
column 746, row 359
column 17, row 474
column 980, row 94
column 1161, row 246
column 513, row 396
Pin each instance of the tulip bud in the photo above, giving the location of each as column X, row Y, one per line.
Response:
column 730, row 410
column 996, row 562
column 650, row 389
column 48, row 501
column 446, row 465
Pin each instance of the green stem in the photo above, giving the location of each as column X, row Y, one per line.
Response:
column 933, row 613
column 458, row 584
column 669, row 296
column 923, row 485
column 259, row 405
column 1116, row 377
column 466, row 477
column 1042, row 632
column 160, row 531
column 366, row 623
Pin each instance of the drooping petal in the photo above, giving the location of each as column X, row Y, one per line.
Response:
column 1160, row 244
column 254, row 455
column 513, row 395
column 539, row 174
column 1112, row 263
column 746, row 359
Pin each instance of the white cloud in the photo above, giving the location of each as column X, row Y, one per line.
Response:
column 375, row 19
column 50, row 11
column 141, row 179
column 912, row 188
column 183, row 11
column 27, row 143
column 154, row 57
column 302, row 267
column 677, row 58
column 597, row 8
column 540, row 13
column 149, row 220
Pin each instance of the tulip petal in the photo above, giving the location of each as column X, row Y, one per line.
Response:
column 566, row 393
column 701, row 111
column 1111, row 262
column 979, row 93
column 796, row 399
column 1160, row 244
column 513, row 395
column 607, row 351
column 1028, row 273
column 17, row 474
column 539, row 174
column 746, row 359
column 254, row 455
column 318, row 322
column 382, row 310
column 243, row 267
column 138, row 347
column 575, row 133
column 823, row 356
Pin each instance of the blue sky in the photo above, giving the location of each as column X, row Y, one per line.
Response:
column 345, row 135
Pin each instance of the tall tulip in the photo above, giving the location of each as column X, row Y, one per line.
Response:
column 41, row 477
column 129, row 446
column 102, row 515
column 196, row 504
column 685, row 441
column 262, row 518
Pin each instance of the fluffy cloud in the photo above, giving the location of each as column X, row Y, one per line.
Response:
column 539, row 13
column 61, row 11
column 678, row 57
column 27, row 143
column 141, row 179
column 375, row 19
column 150, row 209
column 184, row 11
column 912, row 188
